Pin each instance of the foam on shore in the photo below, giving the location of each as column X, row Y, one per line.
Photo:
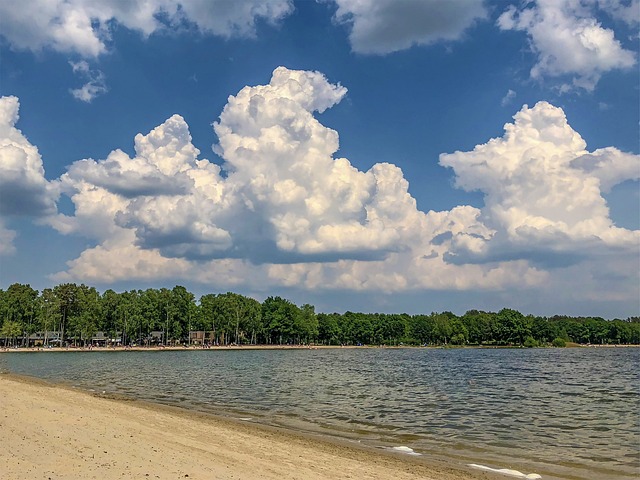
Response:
column 406, row 450
column 507, row 471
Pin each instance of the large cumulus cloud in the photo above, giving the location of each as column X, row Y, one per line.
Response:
column 24, row 190
column 543, row 190
column 284, row 209
column 281, row 164
column 23, row 187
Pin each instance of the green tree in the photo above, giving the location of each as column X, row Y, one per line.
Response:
column 10, row 330
column 306, row 326
column 514, row 328
column 21, row 305
column 329, row 332
column 422, row 327
column 48, row 313
column 67, row 301
column 85, row 317
column 280, row 317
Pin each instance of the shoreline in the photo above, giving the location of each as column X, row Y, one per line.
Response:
column 94, row 436
column 186, row 348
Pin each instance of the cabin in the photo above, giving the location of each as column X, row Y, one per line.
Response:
column 156, row 337
column 38, row 339
column 99, row 339
column 201, row 337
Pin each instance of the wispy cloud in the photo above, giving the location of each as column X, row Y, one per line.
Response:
column 95, row 82
column 508, row 98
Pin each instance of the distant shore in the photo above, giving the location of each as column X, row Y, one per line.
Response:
column 183, row 348
column 53, row 432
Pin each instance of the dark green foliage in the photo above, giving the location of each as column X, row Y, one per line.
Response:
column 79, row 311
column 559, row 342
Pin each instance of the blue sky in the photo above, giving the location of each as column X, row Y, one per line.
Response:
column 425, row 213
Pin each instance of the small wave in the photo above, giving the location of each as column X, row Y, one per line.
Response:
column 244, row 419
column 403, row 449
column 507, row 471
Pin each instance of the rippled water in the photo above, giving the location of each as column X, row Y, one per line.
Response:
column 562, row 413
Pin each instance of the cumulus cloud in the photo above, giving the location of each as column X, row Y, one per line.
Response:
column 281, row 161
column 23, row 187
column 162, row 198
column 95, row 82
column 569, row 41
column 543, row 191
column 285, row 210
column 385, row 26
column 83, row 27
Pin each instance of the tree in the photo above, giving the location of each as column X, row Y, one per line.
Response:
column 10, row 329
column 280, row 317
column 183, row 303
column 329, row 332
column 21, row 303
column 86, row 315
column 441, row 328
column 67, row 296
column 513, row 326
column 306, row 324
column 422, row 329
column 49, row 312
column 208, row 312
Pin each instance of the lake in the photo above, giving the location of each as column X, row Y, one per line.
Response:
column 561, row 413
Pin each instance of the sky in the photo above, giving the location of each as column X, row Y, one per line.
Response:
column 365, row 155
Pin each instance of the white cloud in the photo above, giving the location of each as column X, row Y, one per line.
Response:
column 384, row 26
column 285, row 211
column 7, row 237
column 569, row 41
column 543, row 190
column 281, row 162
column 164, row 196
column 83, row 26
column 23, row 188
column 229, row 19
column 508, row 98
column 95, row 85
column 626, row 10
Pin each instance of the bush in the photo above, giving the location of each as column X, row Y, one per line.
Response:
column 530, row 342
column 559, row 342
column 458, row 339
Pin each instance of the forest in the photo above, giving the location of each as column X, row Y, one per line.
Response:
column 79, row 315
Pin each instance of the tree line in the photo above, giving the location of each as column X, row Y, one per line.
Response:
column 77, row 312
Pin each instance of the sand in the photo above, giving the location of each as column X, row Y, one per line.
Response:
column 52, row 432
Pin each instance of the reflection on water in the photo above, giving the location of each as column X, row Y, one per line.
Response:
column 563, row 413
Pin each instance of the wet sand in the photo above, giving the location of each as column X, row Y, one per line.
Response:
column 53, row 432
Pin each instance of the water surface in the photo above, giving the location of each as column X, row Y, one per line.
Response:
column 562, row 413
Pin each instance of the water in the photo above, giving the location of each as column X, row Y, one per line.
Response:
column 561, row 413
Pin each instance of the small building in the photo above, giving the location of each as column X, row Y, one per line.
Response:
column 156, row 337
column 38, row 339
column 99, row 339
column 201, row 337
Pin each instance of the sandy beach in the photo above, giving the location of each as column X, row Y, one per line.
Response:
column 53, row 432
